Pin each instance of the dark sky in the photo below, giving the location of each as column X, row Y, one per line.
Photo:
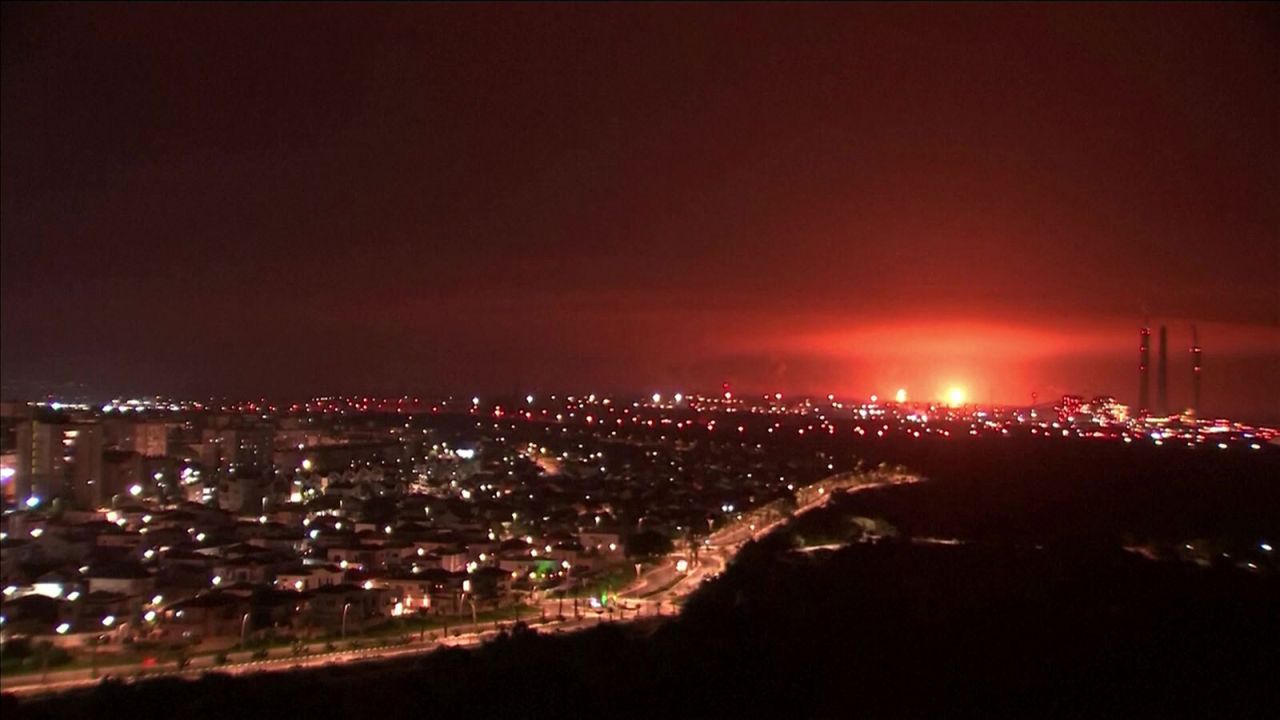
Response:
column 291, row 200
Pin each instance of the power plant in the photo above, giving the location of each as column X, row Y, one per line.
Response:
column 1161, row 406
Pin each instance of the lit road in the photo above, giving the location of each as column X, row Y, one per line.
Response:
column 278, row 659
column 655, row 594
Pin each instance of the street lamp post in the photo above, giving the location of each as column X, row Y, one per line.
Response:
column 345, row 608
column 93, row 648
column 244, row 622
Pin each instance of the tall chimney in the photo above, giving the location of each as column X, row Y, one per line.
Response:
column 1162, row 374
column 1195, row 371
column 1144, row 370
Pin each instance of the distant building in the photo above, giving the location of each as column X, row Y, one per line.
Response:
column 149, row 439
column 339, row 607
column 308, row 577
column 1070, row 407
column 121, row 470
column 1106, row 409
column 244, row 492
column 235, row 448
column 59, row 460
column 214, row 614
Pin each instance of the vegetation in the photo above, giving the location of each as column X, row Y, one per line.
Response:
column 610, row 579
column 647, row 544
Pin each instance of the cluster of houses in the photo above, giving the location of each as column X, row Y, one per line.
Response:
column 348, row 528
column 191, row 572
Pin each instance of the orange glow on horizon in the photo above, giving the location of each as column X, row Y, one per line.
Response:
column 1008, row 360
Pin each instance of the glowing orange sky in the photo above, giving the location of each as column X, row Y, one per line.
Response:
column 208, row 199
column 1003, row 361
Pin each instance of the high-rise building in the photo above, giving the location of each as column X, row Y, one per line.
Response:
column 121, row 470
column 59, row 460
column 1162, row 374
column 1144, row 370
column 150, row 439
column 231, row 448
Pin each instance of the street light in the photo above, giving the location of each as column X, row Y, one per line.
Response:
column 244, row 621
column 345, row 608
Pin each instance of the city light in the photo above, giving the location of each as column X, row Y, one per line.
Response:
column 1046, row 234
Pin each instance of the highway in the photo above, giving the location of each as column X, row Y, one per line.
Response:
column 278, row 659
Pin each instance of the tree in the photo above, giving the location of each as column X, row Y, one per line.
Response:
column 647, row 543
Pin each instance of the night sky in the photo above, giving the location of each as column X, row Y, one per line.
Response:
column 290, row 201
